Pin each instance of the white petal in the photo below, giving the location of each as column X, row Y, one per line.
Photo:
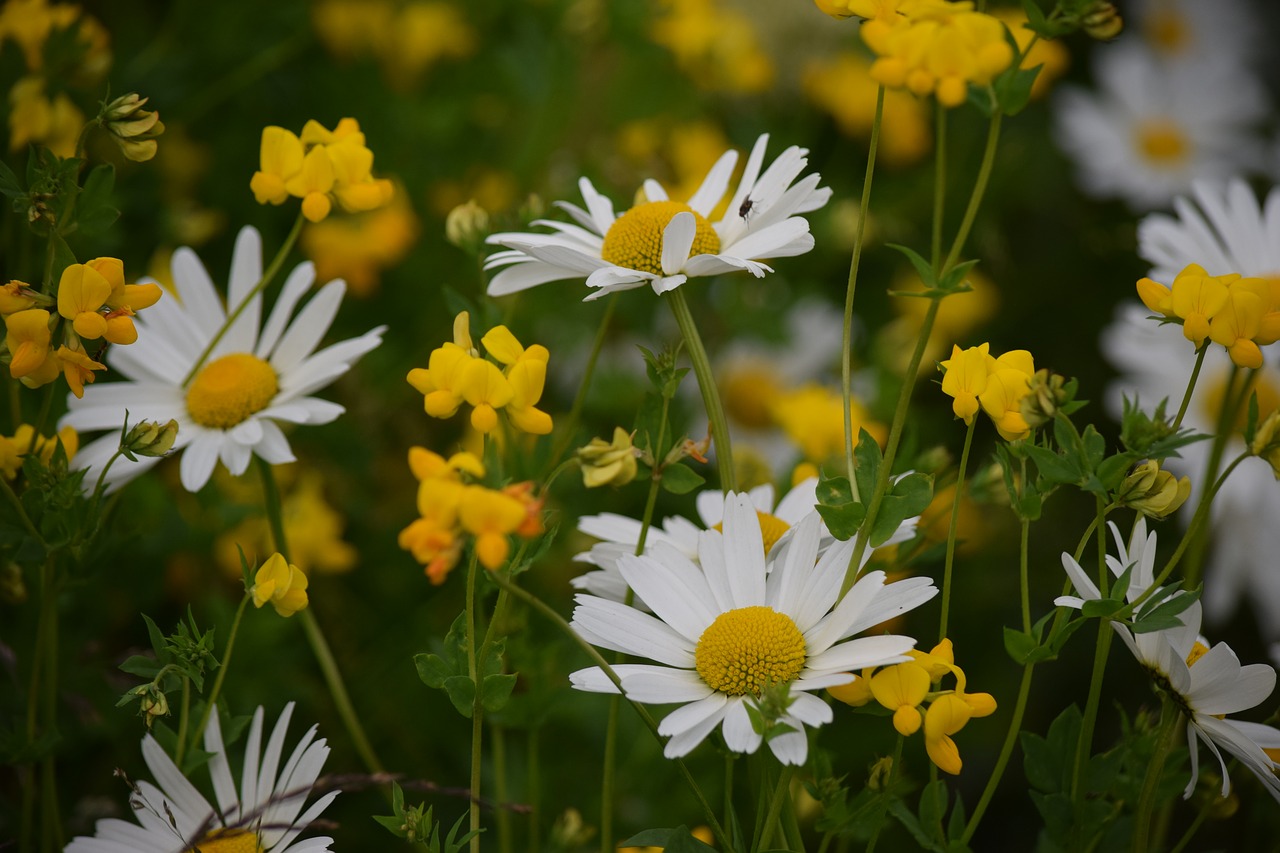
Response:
column 739, row 735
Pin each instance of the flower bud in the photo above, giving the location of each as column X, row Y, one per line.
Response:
column 153, row 703
column 1102, row 21
column 16, row 296
column 1266, row 442
column 608, row 463
column 133, row 128
column 1153, row 492
column 13, row 589
column 467, row 225
column 1045, row 395
column 149, row 438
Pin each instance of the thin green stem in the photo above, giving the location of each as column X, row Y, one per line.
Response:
column 952, row 531
column 730, row 761
column 1084, row 746
column 1191, row 384
column 37, row 426
column 315, row 636
column 533, row 785
column 1006, row 751
column 211, row 700
column 184, row 717
column 979, row 190
column 1201, row 817
column 1024, row 579
column 939, row 185
column 846, row 353
column 706, row 385
column 775, row 806
column 1147, row 800
column 559, row 621
column 477, row 709
column 51, row 835
column 506, row 844
column 569, row 425
column 267, row 276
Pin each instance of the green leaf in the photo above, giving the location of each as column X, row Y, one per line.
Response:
column 1101, row 608
column 844, row 520
column 675, row 840
column 158, row 645
column 933, row 803
column 923, row 268
column 141, row 666
column 496, row 689
column 1013, row 88
column 954, row 280
column 94, row 211
column 433, row 670
column 462, row 693
column 1111, row 471
column 1021, row 646
column 10, row 186
column 681, row 479
column 909, row 497
column 899, row 810
column 1053, row 467
column 867, row 460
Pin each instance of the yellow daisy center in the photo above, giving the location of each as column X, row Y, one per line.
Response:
column 227, row 391
column 771, row 529
column 1215, row 396
column 748, row 394
column 228, row 841
column 1162, row 143
column 1168, row 31
column 748, row 649
column 634, row 240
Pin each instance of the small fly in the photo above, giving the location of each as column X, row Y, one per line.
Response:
column 744, row 209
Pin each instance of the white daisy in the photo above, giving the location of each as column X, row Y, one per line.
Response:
column 662, row 242
column 253, row 378
column 1206, row 682
column 1192, row 30
column 1153, row 127
column 261, row 817
column 1221, row 227
column 1155, row 363
column 725, row 629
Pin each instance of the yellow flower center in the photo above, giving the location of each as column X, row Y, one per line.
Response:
column 227, row 841
column 634, row 240
column 748, row 394
column 1168, row 31
column 227, row 391
column 771, row 529
column 1215, row 396
column 1197, row 652
column 1162, row 143
column 748, row 649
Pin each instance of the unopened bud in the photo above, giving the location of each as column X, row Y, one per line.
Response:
column 608, row 463
column 467, row 225
column 1153, row 492
column 1046, row 393
column 153, row 703
column 881, row 773
column 570, row 831
column 134, row 129
column 13, row 589
column 1102, row 21
column 1266, row 442
column 149, row 438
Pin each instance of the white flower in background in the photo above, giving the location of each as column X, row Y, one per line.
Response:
column 738, row 623
column 1151, row 128
column 1155, row 363
column 662, row 242
column 1206, row 682
column 261, row 816
column 256, row 376
column 1195, row 31
column 1221, row 227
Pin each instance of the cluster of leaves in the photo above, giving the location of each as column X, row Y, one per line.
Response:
column 417, row 825
column 907, row 497
column 450, row 671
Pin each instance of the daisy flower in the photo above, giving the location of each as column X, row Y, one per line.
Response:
column 1182, row 30
column 723, row 631
column 662, row 242
column 253, row 378
column 1221, row 227
column 261, row 815
column 1153, row 127
column 1206, row 682
column 1155, row 363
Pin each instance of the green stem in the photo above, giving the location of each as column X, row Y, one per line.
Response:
column 315, row 636
column 559, row 621
column 1024, row 580
column 216, row 691
column 21, row 513
column 1146, row 802
column 1191, row 384
column 846, row 354
column 499, row 733
column 706, row 385
column 51, row 835
column 979, row 190
column 939, row 185
column 730, row 760
column 477, row 709
column 1006, row 751
column 570, row 424
column 775, row 806
column 184, row 717
column 1201, row 816
column 1084, row 746
column 267, row 276
column 534, row 786
column 952, row 531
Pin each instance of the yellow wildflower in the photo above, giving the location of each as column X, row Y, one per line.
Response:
column 842, row 86
column 280, row 158
column 1009, row 382
column 358, row 248
column 491, row 517
column 1049, row 55
column 812, row 417
column 14, row 447
column 77, row 367
column 16, row 296
column 34, row 118
column 966, row 377
column 27, row 337
column 718, row 48
column 282, row 584
column 1237, row 325
column 608, row 463
column 82, row 291
column 1153, row 492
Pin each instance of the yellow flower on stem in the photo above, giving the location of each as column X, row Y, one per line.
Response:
column 82, row 291
column 967, row 375
column 1237, row 325
column 281, row 584
column 1009, row 382
column 27, row 337
column 312, row 184
column 16, row 296
column 812, row 417
column 608, row 463
column 1153, row 492
column 77, row 367
column 902, row 689
column 1196, row 298
column 13, row 448
column 491, row 517
column 433, row 538
column 280, row 158
column 527, row 373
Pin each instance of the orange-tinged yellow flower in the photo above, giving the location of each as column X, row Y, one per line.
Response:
column 1237, row 324
column 77, row 367
column 491, row 517
column 27, row 337
column 282, row 584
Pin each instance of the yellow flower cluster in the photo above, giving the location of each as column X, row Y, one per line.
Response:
column 905, row 688
column 24, row 440
column 1241, row 314
column 929, row 46
column 717, row 47
column 812, row 416
column 407, row 38
column 320, row 167
column 452, row 506
column 456, row 373
column 97, row 305
column 282, row 584
column 608, row 463
column 34, row 117
column 996, row 385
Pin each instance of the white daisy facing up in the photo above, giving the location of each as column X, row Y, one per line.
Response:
column 1206, row 682
column 1221, row 227
column 662, row 242
column 724, row 630
column 256, row 375
column 261, row 816
column 1153, row 127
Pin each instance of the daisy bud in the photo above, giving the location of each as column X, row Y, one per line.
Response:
column 133, row 128
column 1266, row 442
column 149, row 438
column 1101, row 21
column 1153, row 492
column 467, row 225
column 608, row 463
